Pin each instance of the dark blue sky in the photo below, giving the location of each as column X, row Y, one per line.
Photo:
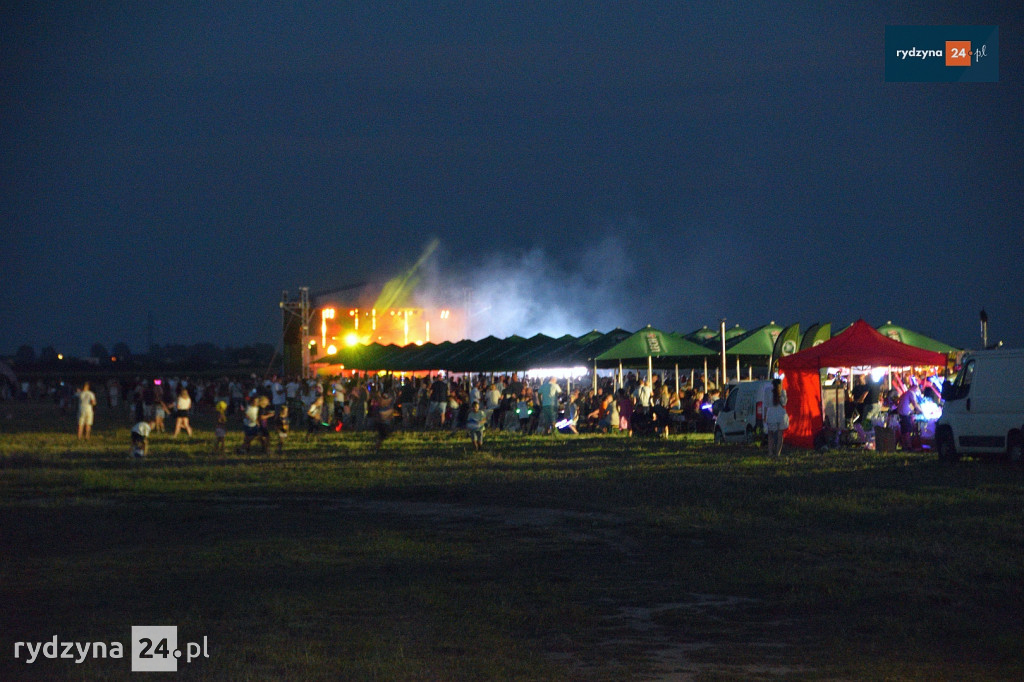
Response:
column 665, row 163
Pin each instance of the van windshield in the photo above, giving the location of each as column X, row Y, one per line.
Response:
column 962, row 384
column 965, row 375
column 730, row 403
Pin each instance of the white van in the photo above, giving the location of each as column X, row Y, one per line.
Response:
column 984, row 406
column 741, row 419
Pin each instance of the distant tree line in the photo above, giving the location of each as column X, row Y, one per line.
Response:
column 178, row 357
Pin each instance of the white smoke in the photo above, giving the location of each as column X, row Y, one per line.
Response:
column 532, row 292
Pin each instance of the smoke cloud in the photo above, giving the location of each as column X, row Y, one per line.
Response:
column 533, row 292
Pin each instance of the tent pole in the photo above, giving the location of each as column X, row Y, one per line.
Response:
column 595, row 376
column 650, row 371
column 725, row 367
column 619, row 378
column 737, row 368
column 677, row 378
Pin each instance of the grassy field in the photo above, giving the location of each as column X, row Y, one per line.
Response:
column 584, row 558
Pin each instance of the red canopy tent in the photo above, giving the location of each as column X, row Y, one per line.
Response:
column 856, row 346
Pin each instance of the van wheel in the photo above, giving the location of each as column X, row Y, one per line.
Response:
column 945, row 446
column 1015, row 447
column 719, row 438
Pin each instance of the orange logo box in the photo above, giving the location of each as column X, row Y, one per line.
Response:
column 958, row 53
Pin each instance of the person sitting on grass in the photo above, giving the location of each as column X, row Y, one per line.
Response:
column 476, row 421
column 140, row 439
column 572, row 413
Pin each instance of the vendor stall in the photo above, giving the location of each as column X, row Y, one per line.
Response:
column 857, row 346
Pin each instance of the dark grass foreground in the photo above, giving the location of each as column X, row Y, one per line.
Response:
column 591, row 558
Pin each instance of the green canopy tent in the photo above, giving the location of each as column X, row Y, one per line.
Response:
column 753, row 347
column 701, row 335
column 528, row 353
column 502, row 359
column 709, row 337
column 410, row 360
column 456, row 355
column 912, row 338
column 592, row 344
column 435, row 358
column 650, row 343
column 477, row 357
column 556, row 353
column 372, row 357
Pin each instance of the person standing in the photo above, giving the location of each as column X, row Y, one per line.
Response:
column 251, row 423
column 86, row 403
column 548, row 394
column 872, row 402
column 385, row 417
column 438, row 402
column 908, row 409
column 776, row 418
column 476, row 422
column 492, row 399
column 572, row 412
column 182, row 408
column 407, row 403
column 642, row 397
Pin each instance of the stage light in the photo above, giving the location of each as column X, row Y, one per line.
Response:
column 332, row 349
column 325, row 314
column 351, row 339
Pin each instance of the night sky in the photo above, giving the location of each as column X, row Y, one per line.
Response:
column 623, row 164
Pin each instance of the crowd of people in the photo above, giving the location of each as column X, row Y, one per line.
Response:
column 268, row 409
column 902, row 403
